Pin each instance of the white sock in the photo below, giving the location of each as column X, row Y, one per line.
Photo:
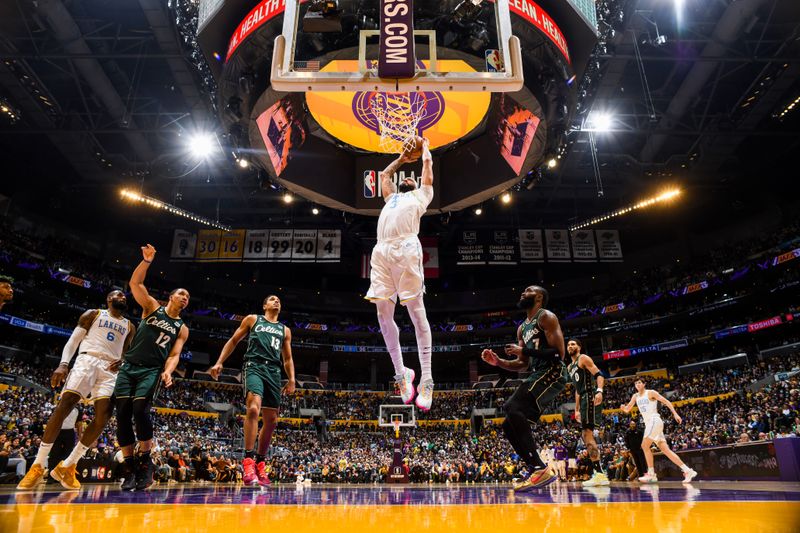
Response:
column 651, row 471
column 416, row 310
column 77, row 452
column 684, row 468
column 391, row 334
column 41, row 455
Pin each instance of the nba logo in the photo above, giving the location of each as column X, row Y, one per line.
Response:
column 494, row 62
column 369, row 184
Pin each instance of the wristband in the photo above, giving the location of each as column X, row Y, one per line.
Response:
column 599, row 390
column 146, row 261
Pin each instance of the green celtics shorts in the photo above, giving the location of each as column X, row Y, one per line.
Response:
column 539, row 390
column 591, row 415
column 265, row 381
column 137, row 381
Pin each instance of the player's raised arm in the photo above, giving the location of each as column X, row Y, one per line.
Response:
column 427, row 163
column 240, row 333
column 584, row 361
column 140, row 294
column 288, row 362
column 387, row 185
column 174, row 356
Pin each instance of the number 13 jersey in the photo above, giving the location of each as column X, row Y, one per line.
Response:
column 154, row 339
column 265, row 342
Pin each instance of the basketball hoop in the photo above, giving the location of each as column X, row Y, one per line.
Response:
column 398, row 115
column 396, row 424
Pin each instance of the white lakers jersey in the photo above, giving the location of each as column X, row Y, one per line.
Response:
column 400, row 216
column 106, row 337
column 647, row 407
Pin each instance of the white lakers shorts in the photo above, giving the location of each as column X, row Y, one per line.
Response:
column 90, row 378
column 654, row 430
column 397, row 271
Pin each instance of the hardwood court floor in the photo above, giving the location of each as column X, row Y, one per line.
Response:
column 704, row 507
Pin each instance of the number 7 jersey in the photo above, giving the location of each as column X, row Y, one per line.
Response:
column 265, row 342
column 154, row 339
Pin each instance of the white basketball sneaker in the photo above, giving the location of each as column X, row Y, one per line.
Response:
column 405, row 384
column 689, row 475
column 425, row 395
column 648, row 478
column 598, row 479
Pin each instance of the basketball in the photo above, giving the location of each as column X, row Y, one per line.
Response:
column 414, row 152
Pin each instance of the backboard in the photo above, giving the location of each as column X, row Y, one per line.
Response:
column 447, row 45
column 389, row 412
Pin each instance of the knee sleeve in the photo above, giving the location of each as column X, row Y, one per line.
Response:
column 141, row 417
column 125, row 435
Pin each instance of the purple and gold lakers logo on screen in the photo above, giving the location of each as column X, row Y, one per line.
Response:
column 432, row 102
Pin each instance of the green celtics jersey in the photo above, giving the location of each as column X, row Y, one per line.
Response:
column 534, row 337
column 154, row 338
column 265, row 342
column 584, row 381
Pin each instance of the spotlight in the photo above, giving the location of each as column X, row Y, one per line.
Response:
column 287, row 198
column 315, row 211
column 506, row 198
column 243, row 163
column 478, row 211
column 600, row 122
column 201, row 145
column 552, row 162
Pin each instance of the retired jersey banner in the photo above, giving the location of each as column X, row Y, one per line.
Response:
column 183, row 245
column 471, row 251
column 329, row 245
column 608, row 245
column 208, row 245
column 280, row 245
column 557, row 245
column 583, row 246
column 231, row 245
column 531, row 246
column 256, row 244
column 430, row 256
column 304, row 245
column 502, row 248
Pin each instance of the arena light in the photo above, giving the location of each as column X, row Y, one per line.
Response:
column 663, row 197
column 155, row 203
column 288, row 198
column 598, row 122
column 506, row 198
column 243, row 163
column 789, row 108
column 201, row 145
column 478, row 211
column 315, row 211
column 552, row 162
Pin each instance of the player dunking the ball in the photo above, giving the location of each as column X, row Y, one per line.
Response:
column 268, row 342
column 540, row 347
column 647, row 401
column 588, row 383
column 397, row 271
column 100, row 339
column 152, row 357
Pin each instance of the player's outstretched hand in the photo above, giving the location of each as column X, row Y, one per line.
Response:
column 489, row 356
column 148, row 252
column 166, row 377
column 678, row 419
column 59, row 376
column 289, row 387
column 598, row 398
column 214, row 371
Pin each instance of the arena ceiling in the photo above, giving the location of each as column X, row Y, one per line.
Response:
column 104, row 94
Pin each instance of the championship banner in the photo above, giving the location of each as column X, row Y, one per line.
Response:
column 531, row 246
column 256, row 244
column 430, row 256
column 183, row 245
column 280, row 245
column 608, row 245
column 231, row 245
column 329, row 245
column 557, row 245
column 208, row 244
column 583, row 249
column 502, row 250
column 470, row 250
column 304, row 246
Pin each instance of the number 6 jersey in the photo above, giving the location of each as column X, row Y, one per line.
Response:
column 154, row 339
column 106, row 337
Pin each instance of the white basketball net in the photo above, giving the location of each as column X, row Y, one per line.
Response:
column 398, row 116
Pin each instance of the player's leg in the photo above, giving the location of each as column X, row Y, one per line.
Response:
column 254, row 391
column 144, row 392
column 65, row 405
column 520, row 408
column 270, row 405
column 688, row 473
column 650, row 476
